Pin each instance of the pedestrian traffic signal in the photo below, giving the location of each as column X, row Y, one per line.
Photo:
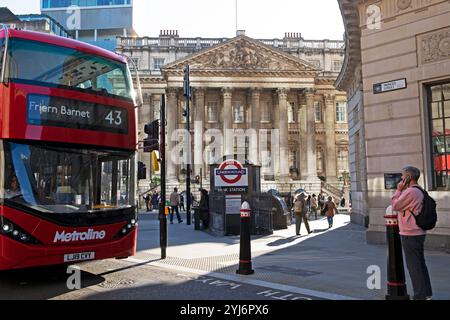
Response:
column 142, row 171
column 151, row 142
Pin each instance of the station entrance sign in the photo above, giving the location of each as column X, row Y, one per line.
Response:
column 231, row 177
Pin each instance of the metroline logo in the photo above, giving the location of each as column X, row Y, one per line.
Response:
column 79, row 236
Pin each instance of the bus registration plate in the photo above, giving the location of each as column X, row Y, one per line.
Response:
column 79, row 256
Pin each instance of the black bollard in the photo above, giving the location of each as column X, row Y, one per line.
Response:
column 396, row 285
column 197, row 218
column 245, row 255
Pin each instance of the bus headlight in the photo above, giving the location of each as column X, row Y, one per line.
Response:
column 126, row 229
column 12, row 231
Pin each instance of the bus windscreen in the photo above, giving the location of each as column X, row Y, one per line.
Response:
column 49, row 65
column 52, row 179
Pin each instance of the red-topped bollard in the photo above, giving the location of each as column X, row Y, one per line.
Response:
column 245, row 255
column 396, row 285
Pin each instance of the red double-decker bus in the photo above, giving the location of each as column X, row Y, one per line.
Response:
column 67, row 152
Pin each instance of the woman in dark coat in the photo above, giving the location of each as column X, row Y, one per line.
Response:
column 204, row 208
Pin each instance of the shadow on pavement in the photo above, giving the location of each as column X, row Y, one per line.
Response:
column 28, row 283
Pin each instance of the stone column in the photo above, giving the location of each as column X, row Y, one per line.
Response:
column 199, row 120
column 330, row 138
column 311, row 136
column 172, row 120
column 275, row 150
column 255, row 125
column 227, row 118
column 284, row 133
column 302, row 125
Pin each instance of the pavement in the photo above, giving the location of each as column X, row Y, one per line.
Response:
column 334, row 263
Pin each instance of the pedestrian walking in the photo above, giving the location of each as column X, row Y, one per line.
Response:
column 300, row 213
column 182, row 202
column 321, row 200
column 155, row 201
column 330, row 210
column 147, row 201
column 174, row 203
column 314, row 206
column 408, row 201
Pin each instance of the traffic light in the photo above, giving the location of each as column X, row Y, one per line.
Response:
column 151, row 142
column 142, row 171
column 155, row 162
column 197, row 180
column 187, row 90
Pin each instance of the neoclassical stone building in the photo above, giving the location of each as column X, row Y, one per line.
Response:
column 408, row 121
column 241, row 84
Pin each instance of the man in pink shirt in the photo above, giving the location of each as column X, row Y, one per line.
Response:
column 409, row 199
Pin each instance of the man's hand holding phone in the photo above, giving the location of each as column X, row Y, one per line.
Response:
column 404, row 183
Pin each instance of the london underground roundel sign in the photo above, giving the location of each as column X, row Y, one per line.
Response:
column 231, row 176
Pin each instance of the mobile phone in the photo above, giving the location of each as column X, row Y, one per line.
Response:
column 407, row 181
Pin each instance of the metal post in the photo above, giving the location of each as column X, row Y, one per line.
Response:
column 245, row 255
column 201, row 178
column 188, row 166
column 396, row 285
column 162, row 204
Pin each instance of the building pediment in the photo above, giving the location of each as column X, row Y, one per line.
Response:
column 242, row 54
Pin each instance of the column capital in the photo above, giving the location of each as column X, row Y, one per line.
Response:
column 255, row 92
column 227, row 92
column 309, row 92
column 199, row 92
column 171, row 92
column 282, row 92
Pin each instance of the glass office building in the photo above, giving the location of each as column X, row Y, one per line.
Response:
column 98, row 22
column 51, row 4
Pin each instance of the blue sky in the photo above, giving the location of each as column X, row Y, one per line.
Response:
column 314, row 19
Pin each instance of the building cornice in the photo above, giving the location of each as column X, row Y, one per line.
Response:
column 350, row 16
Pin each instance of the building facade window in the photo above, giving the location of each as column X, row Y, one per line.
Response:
column 241, row 147
column 439, row 109
column 291, row 112
column 211, row 111
column 318, row 111
column 337, row 65
column 158, row 63
column 238, row 112
column 341, row 112
column 342, row 159
column 293, row 161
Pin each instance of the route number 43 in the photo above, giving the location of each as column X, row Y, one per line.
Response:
column 114, row 117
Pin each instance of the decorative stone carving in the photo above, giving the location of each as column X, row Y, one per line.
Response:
column 243, row 54
column 403, row 4
column 435, row 46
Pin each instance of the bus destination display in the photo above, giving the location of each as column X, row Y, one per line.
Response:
column 43, row 110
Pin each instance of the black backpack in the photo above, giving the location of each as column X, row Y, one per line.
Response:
column 427, row 218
